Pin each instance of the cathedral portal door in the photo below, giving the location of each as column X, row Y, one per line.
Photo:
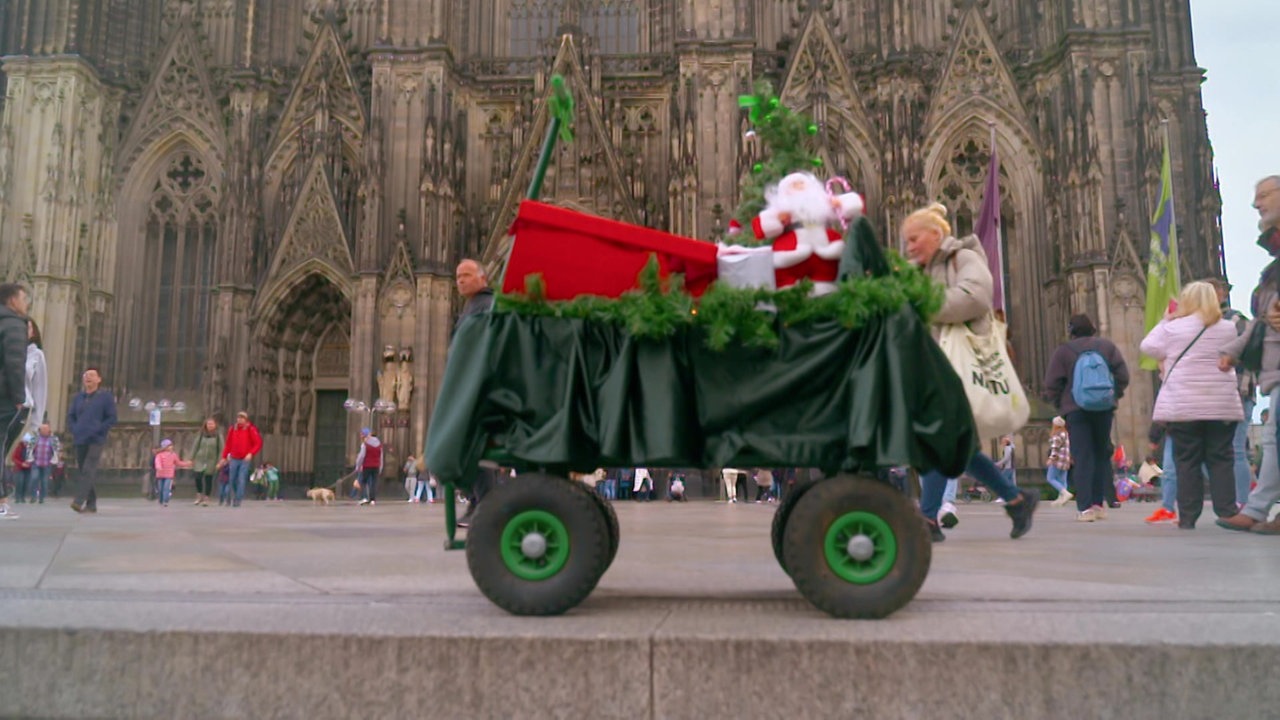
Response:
column 331, row 437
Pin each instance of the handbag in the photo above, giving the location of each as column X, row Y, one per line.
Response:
column 1251, row 356
column 996, row 396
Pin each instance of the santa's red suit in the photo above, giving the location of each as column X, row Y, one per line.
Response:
column 807, row 250
column 817, row 269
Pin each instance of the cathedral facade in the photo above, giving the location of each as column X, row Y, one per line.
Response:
column 253, row 204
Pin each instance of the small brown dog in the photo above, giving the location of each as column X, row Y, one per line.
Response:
column 320, row 495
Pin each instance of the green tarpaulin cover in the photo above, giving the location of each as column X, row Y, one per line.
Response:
column 570, row 394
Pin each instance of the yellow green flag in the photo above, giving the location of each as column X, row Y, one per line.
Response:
column 1163, row 281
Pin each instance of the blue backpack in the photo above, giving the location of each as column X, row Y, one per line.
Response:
column 1093, row 387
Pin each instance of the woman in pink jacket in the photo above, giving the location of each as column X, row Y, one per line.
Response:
column 1198, row 401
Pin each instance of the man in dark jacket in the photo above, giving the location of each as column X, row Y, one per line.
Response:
column 1090, row 430
column 90, row 417
column 13, row 360
column 473, row 285
column 13, row 373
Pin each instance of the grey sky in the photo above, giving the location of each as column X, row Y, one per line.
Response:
column 1237, row 42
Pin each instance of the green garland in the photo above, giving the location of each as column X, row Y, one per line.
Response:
column 788, row 140
column 728, row 314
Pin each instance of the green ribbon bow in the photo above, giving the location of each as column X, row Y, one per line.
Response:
column 561, row 106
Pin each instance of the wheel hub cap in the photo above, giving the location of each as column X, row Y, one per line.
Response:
column 861, row 548
column 534, row 545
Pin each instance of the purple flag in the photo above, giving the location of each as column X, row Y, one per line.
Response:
column 987, row 229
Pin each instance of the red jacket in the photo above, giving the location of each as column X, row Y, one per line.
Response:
column 19, row 457
column 242, row 442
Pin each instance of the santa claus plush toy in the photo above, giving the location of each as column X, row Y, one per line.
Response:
column 799, row 217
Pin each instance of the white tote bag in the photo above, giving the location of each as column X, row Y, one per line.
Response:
column 996, row 396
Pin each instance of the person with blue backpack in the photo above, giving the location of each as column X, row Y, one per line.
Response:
column 1086, row 378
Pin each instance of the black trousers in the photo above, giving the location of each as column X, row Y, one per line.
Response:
column 204, row 484
column 11, row 421
column 1090, row 434
column 87, row 458
column 1207, row 443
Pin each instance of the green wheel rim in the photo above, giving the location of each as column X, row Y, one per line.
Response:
column 883, row 547
column 528, row 523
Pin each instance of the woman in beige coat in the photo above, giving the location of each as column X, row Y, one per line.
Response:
column 961, row 267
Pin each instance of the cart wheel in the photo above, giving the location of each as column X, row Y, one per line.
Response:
column 856, row 548
column 538, row 547
column 780, row 517
column 610, row 519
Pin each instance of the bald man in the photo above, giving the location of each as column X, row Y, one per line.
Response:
column 473, row 284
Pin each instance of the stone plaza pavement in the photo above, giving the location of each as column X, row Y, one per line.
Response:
column 282, row 610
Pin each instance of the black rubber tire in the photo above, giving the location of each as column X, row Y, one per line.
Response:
column 781, row 515
column 585, row 525
column 807, row 528
column 610, row 518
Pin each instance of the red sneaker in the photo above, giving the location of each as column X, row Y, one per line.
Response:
column 1161, row 515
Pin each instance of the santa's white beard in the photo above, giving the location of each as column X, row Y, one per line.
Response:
column 807, row 207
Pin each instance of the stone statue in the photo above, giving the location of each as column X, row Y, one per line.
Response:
column 387, row 376
column 404, row 385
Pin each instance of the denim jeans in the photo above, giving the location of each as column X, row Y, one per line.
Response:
column 1169, row 480
column 21, row 484
column 166, row 489
column 1091, row 449
column 1268, row 489
column 1058, row 479
column 239, row 475
column 38, row 481
column 949, row 495
column 981, row 468
column 369, row 484
column 1239, row 446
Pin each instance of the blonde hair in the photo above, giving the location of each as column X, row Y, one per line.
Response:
column 1199, row 298
column 933, row 215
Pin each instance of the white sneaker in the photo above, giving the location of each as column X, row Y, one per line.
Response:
column 1063, row 498
column 364, row 501
column 7, row 513
column 1099, row 511
column 1087, row 515
column 947, row 516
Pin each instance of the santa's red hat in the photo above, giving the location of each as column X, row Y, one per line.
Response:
column 735, row 227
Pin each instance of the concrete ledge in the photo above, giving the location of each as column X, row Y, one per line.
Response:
column 121, row 674
column 283, row 610
column 665, row 673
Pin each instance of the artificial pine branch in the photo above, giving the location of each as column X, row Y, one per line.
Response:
column 730, row 315
column 787, row 138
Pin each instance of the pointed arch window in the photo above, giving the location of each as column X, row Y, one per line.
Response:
column 181, row 236
column 614, row 25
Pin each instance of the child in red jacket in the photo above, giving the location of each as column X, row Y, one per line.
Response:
column 21, row 467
